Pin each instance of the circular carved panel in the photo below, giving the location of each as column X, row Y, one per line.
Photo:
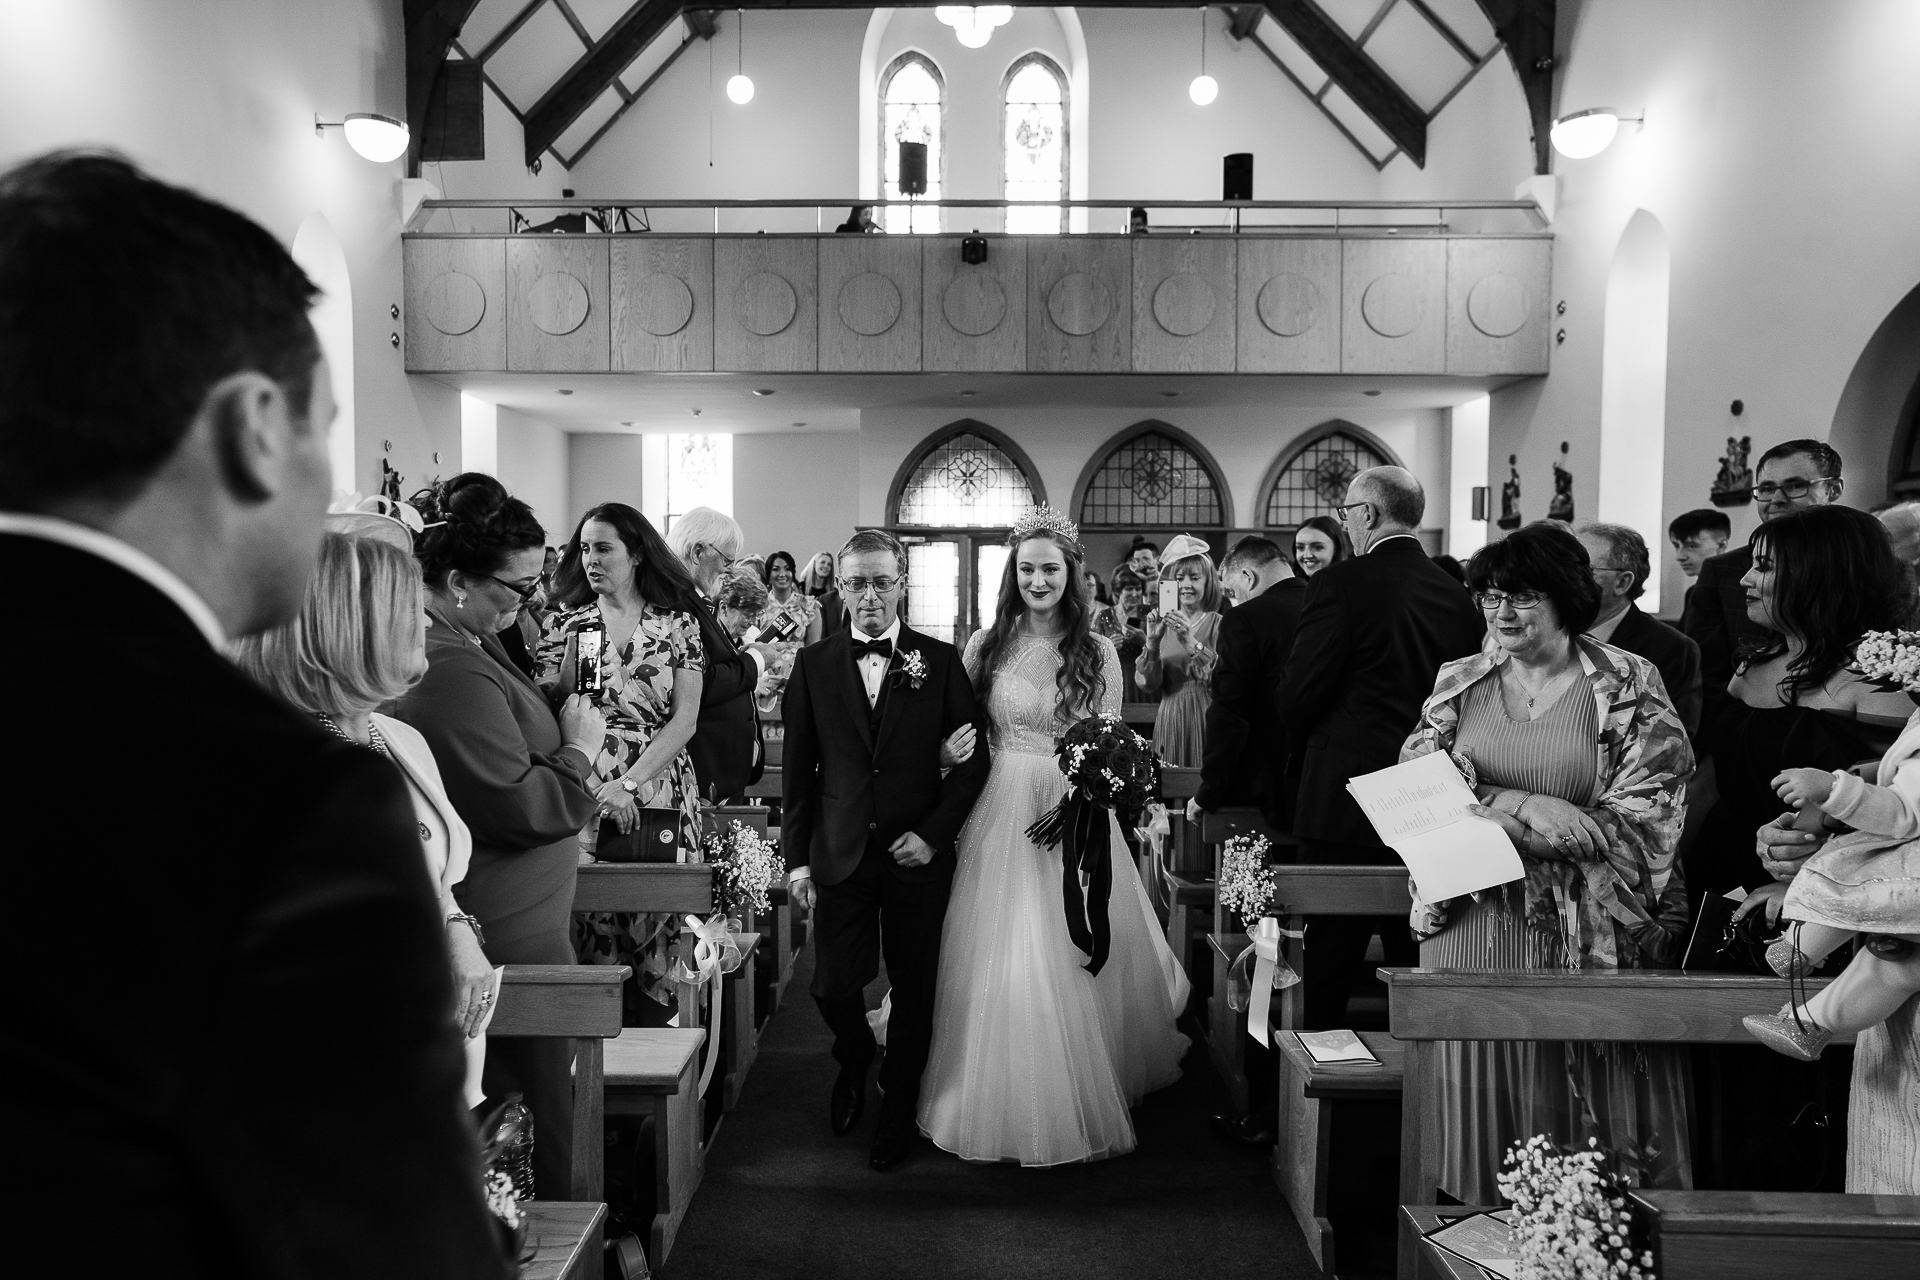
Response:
column 1079, row 303
column 558, row 303
column 662, row 304
column 974, row 303
column 1183, row 304
column 1391, row 305
column 1289, row 304
column 455, row 303
column 1498, row 305
column 765, row 304
column 869, row 304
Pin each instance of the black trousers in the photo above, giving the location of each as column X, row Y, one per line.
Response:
column 873, row 912
column 1336, row 946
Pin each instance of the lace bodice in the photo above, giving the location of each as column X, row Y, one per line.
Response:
column 1023, row 702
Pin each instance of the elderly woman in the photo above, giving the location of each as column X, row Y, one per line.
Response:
column 1176, row 662
column 516, row 773
column 1574, row 750
column 741, row 599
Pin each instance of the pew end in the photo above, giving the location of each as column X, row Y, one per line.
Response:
column 580, row 1003
column 1349, row 1113
column 655, row 1071
column 1720, row 1235
column 566, row 1238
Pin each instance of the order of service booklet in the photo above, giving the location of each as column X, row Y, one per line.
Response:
column 1484, row 1239
column 1420, row 810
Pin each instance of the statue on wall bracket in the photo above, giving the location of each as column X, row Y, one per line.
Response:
column 390, row 480
column 1733, row 486
column 1510, row 495
column 1561, row 508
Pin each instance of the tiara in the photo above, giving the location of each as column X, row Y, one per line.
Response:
column 1043, row 519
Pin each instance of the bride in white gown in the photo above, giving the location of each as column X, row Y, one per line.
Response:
column 1033, row 1058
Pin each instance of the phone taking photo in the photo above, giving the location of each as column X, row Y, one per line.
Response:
column 590, row 642
column 783, row 628
column 1169, row 597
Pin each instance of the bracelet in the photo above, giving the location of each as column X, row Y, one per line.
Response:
column 472, row 923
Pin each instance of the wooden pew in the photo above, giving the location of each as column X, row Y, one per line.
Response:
column 655, row 1071
column 1301, row 891
column 1354, row 1109
column 675, row 888
column 565, row 1238
column 1426, row 1006
column 1194, row 900
column 776, row 928
column 775, row 749
column 739, row 1028
column 580, row 1003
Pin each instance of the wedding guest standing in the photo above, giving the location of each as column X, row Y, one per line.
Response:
column 1621, row 565
column 1696, row 537
column 1579, row 757
column 1246, row 748
column 1143, row 557
column 786, row 600
column 741, row 598
column 617, row 575
column 1373, row 632
column 1318, row 543
column 725, row 749
column 1120, row 623
column 516, row 774
column 1176, row 662
column 276, row 1090
column 818, row 583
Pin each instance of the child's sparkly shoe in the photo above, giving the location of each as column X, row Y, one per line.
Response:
column 1788, row 1032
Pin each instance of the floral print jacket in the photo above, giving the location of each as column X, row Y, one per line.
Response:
column 1625, row 911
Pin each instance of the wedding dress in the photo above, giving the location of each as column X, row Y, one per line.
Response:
column 1034, row 1059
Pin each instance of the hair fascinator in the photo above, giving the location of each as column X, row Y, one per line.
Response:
column 1183, row 546
column 387, row 519
column 1043, row 520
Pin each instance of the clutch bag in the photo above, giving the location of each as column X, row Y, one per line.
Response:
column 656, row 837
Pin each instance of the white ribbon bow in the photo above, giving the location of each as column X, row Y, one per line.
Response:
column 1269, row 973
column 1156, row 829
column 715, row 955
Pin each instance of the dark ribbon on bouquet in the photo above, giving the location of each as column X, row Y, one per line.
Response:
column 1084, row 830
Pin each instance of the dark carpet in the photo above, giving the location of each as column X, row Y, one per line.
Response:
column 783, row 1197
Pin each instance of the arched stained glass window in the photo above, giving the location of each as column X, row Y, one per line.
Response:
column 1150, row 480
column 911, row 110
column 1034, row 143
column 1314, row 481
column 964, row 481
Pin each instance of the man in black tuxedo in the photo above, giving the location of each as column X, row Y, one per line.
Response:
column 869, row 826
column 1621, row 566
column 1791, row 476
column 274, row 1088
column 726, row 750
column 1374, row 633
column 1246, row 760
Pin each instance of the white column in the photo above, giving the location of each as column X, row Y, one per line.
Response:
column 1465, row 535
column 479, row 435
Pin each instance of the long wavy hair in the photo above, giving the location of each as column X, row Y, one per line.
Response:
column 1082, row 681
column 658, row 574
column 1342, row 545
column 1835, row 579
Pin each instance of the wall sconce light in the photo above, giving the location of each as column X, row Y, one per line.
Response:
column 373, row 137
column 1588, row 133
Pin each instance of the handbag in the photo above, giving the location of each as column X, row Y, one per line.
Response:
column 656, row 837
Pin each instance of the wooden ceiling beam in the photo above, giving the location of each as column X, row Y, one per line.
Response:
column 1526, row 28
column 430, row 27
column 1371, row 89
column 561, row 105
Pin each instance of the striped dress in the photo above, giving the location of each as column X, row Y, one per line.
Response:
column 1633, row 1098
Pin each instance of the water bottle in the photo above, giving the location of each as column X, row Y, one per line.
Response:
column 516, row 1142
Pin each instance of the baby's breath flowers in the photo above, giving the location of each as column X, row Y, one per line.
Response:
column 501, row 1201
column 744, row 869
column 1891, row 657
column 1574, row 1221
column 1246, row 882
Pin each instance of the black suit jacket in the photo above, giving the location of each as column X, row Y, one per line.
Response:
column 1677, row 657
column 1716, row 620
column 263, row 1078
column 726, row 748
column 1374, row 632
column 1246, row 760
column 848, row 785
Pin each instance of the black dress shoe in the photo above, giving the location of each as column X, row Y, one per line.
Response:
column 1248, row 1131
column 848, row 1101
column 893, row 1144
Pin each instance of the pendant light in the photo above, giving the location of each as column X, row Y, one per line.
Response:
column 1204, row 88
column 740, row 88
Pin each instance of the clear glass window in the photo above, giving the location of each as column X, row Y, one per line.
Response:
column 699, row 474
column 1035, row 144
column 911, row 110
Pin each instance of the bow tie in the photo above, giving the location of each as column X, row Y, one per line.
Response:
column 872, row 649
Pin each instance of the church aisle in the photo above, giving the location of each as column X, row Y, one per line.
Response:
column 783, row 1197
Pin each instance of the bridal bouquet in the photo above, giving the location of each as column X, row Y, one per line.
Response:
column 1574, row 1219
column 1108, row 767
column 1890, row 658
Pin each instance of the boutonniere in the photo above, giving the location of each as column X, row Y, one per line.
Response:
column 911, row 664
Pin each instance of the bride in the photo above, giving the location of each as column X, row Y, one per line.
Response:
column 1034, row 1059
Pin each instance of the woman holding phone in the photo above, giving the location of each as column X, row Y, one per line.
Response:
column 627, row 632
column 1176, row 663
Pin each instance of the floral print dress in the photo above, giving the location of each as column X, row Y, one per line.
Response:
column 637, row 678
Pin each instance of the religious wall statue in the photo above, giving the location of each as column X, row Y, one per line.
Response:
column 1561, row 508
column 1510, row 495
column 390, row 480
column 1733, row 487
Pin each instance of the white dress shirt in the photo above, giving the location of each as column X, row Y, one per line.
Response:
column 873, row 667
column 1377, row 543
column 135, row 561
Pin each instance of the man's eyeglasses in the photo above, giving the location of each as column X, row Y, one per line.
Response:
column 857, row 587
column 726, row 561
column 1791, row 490
column 525, row 593
column 1492, row 600
column 1346, row 507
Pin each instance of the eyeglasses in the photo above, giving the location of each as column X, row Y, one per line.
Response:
column 1791, row 490
column 1492, row 600
column 1343, row 509
column 525, row 593
column 857, row 587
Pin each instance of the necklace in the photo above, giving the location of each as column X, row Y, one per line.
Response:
column 376, row 740
column 1533, row 698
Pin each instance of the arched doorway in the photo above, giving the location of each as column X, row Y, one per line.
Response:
column 1633, row 386
column 317, row 249
column 1876, row 423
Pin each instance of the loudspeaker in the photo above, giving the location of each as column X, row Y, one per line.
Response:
column 973, row 250
column 1237, row 177
column 456, row 127
column 913, row 168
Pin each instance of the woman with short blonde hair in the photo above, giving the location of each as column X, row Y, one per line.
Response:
column 1176, row 664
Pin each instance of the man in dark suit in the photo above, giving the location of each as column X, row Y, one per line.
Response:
column 1621, row 566
column 1797, row 474
column 275, row 1088
column 869, row 826
column 726, row 749
column 1246, row 754
column 1374, row 632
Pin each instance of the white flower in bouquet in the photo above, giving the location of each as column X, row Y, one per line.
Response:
column 1246, row 882
column 1574, row 1221
column 1892, row 657
column 501, row 1201
column 745, row 867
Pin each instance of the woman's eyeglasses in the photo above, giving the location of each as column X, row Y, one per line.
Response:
column 525, row 593
column 1492, row 600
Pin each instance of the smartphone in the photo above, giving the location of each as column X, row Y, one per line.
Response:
column 783, row 628
column 1169, row 597
column 590, row 641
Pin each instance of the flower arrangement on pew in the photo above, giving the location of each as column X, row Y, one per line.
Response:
column 1109, row 767
column 1573, row 1217
column 1246, row 889
column 1246, row 882
column 744, row 868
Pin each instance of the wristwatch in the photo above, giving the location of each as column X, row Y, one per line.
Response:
column 632, row 788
